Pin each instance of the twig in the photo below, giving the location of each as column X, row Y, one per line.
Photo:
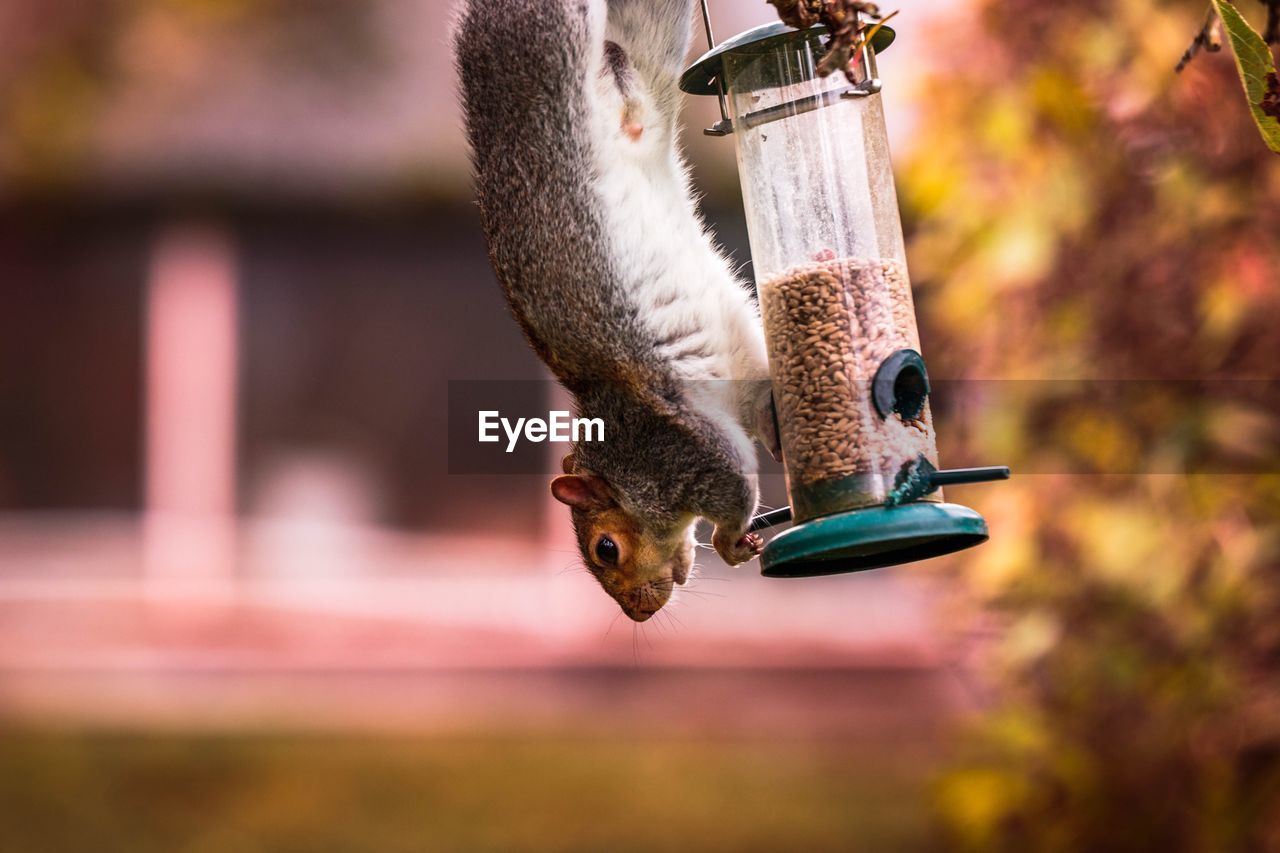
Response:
column 1271, row 33
column 842, row 19
column 1209, row 38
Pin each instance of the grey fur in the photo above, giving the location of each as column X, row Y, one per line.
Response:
column 525, row 66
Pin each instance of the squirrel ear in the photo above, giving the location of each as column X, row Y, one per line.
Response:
column 581, row 492
column 566, row 464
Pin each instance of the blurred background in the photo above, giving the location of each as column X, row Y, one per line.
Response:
column 245, row 604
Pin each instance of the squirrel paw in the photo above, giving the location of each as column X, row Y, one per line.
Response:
column 747, row 546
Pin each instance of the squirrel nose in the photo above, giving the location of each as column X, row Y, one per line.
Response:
column 640, row 612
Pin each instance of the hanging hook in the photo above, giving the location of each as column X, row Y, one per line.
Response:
column 723, row 127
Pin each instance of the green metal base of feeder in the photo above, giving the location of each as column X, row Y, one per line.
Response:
column 872, row 538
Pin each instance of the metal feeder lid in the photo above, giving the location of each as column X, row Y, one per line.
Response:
column 701, row 77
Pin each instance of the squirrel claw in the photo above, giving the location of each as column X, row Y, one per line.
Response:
column 747, row 547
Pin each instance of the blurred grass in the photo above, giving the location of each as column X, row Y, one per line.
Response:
column 106, row 792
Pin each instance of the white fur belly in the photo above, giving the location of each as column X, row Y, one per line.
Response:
column 684, row 288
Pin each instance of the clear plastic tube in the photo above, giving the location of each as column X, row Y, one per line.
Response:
column 827, row 248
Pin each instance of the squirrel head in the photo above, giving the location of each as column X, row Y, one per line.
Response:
column 636, row 564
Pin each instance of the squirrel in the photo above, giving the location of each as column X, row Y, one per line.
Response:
column 570, row 111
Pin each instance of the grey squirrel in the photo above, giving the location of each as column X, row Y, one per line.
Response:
column 571, row 111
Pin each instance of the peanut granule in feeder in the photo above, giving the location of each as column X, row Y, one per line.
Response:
column 831, row 323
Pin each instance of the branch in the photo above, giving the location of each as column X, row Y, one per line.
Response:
column 1208, row 39
column 1271, row 34
column 841, row 17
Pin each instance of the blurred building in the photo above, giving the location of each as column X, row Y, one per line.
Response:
column 240, row 267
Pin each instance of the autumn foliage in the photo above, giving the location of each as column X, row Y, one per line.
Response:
column 1082, row 213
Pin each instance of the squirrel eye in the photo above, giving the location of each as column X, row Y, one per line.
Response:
column 607, row 550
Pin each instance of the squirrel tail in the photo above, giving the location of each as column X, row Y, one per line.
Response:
column 523, row 63
column 526, row 69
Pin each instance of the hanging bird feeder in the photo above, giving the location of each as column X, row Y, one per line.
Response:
column 850, row 385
